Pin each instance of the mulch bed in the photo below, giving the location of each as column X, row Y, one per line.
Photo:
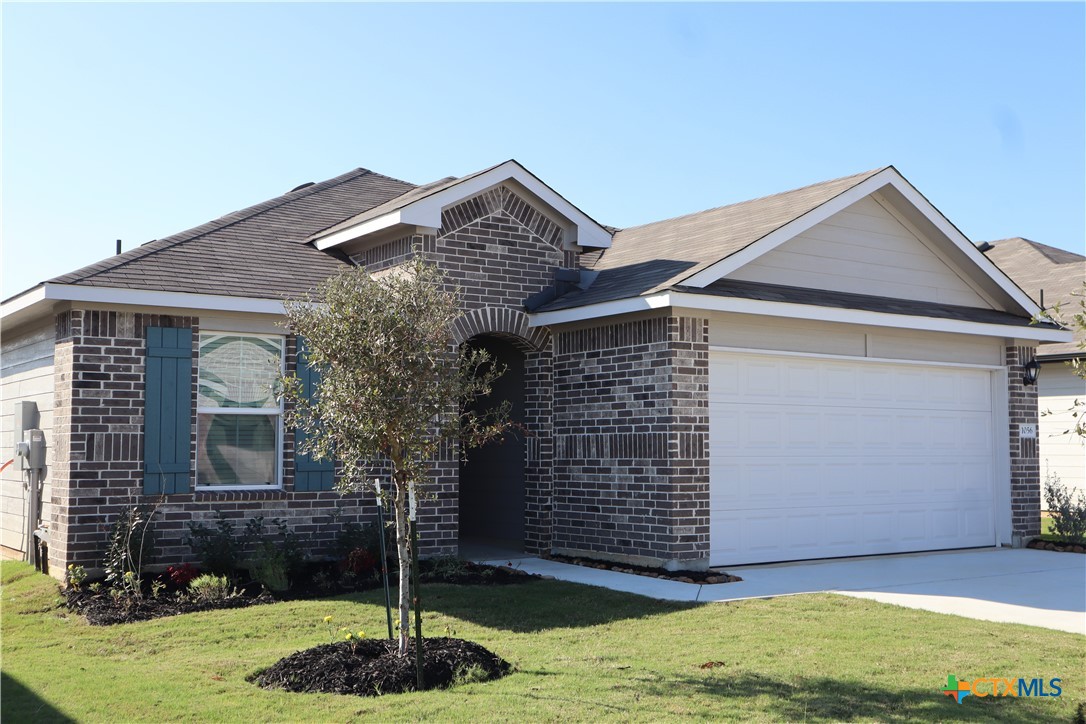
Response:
column 372, row 667
column 1059, row 546
column 703, row 577
column 101, row 610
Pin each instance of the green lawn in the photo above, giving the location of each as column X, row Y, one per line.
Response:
column 581, row 653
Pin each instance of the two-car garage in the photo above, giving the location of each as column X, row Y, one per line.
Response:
column 817, row 456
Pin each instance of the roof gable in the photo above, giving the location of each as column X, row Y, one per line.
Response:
column 421, row 209
column 865, row 249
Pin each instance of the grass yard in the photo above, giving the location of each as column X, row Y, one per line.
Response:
column 581, row 654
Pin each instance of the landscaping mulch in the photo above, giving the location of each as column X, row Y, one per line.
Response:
column 702, row 577
column 372, row 667
column 1058, row 546
column 102, row 610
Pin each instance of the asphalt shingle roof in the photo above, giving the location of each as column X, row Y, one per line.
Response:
column 863, row 302
column 1033, row 267
column 654, row 257
column 257, row 252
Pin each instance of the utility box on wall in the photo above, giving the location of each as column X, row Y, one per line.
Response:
column 26, row 418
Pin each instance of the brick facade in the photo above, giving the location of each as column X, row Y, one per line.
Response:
column 617, row 453
column 1025, row 461
column 98, row 448
column 631, row 423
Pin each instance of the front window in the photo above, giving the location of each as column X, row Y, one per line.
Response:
column 239, row 418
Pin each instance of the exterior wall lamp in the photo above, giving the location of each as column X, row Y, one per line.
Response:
column 1030, row 371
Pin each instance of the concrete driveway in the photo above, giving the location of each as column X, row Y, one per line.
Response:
column 1037, row 588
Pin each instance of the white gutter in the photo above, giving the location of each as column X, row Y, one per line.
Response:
column 795, row 311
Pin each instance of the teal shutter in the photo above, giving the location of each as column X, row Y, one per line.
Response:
column 309, row 474
column 167, row 426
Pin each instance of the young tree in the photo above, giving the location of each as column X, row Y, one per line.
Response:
column 394, row 386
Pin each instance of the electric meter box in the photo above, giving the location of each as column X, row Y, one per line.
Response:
column 26, row 419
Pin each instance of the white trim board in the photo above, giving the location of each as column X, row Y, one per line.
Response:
column 426, row 210
column 26, row 305
column 888, row 177
column 794, row 311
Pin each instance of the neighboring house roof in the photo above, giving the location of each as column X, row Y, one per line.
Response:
column 256, row 252
column 1036, row 267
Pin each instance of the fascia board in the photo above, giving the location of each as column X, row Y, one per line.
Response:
column 603, row 309
column 148, row 298
column 372, row 226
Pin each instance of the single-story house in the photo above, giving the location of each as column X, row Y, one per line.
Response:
column 1053, row 277
column 830, row 371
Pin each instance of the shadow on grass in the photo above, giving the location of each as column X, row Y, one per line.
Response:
column 20, row 704
column 537, row 606
column 814, row 698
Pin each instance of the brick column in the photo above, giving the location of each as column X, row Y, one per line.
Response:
column 1025, row 462
column 688, row 440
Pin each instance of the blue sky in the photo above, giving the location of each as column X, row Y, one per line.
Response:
column 137, row 121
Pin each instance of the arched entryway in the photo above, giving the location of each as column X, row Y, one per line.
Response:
column 492, row 476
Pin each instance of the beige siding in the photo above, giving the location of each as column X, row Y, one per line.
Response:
column 26, row 373
column 1062, row 453
column 748, row 331
column 865, row 250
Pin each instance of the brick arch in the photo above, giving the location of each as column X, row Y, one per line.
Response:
column 501, row 322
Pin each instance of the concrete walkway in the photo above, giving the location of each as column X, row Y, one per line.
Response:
column 1038, row 588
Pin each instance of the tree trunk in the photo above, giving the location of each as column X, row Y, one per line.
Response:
column 404, row 556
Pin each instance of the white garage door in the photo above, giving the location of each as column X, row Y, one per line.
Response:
column 816, row 458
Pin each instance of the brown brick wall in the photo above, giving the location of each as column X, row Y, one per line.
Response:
column 498, row 250
column 631, row 475
column 1025, row 462
column 98, row 466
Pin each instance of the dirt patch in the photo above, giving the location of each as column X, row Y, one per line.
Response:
column 702, row 577
column 1058, row 546
column 372, row 667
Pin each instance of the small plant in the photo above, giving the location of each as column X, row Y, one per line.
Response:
column 447, row 568
column 156, row 588
column 472, row 674
column 182, row 574
column 217, row 548
column 331, row 629
column 1067, row 506
column 95, row 588
column 352, row 637
column 275, row 556
column 129, row 548
column 210, row 588
column 76, row 576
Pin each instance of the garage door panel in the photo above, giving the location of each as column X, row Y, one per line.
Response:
column 846, row 458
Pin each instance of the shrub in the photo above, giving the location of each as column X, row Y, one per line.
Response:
column 211, row 589
column 1067, row 506
column 129, row 547
column 216, row 547
column 76, row 576
column 275, row 556
column 360, row 561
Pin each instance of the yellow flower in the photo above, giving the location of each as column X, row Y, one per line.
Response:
column 349, row 636
column 328, row 619
column 361, row 634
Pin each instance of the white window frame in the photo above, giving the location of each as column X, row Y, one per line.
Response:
column 277, row 412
